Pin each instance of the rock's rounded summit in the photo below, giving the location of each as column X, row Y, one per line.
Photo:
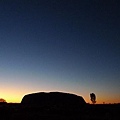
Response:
column 58, row 99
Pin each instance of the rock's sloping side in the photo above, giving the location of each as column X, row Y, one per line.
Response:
column 53, row 99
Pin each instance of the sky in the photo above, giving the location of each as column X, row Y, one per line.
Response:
column 68, row 46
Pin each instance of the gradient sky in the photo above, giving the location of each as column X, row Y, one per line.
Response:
column 60, row 45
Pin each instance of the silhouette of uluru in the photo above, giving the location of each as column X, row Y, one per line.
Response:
column 54, row 99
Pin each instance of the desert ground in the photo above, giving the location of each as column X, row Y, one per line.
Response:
column 17, row 111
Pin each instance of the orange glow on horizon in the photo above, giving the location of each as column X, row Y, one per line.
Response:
column 16, row 97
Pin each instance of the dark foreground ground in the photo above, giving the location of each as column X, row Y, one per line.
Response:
column 88, row 112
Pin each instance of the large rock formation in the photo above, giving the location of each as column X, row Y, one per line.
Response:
column 53, row 99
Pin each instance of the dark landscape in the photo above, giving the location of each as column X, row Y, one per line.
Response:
column 57, row 106
column 70, row 46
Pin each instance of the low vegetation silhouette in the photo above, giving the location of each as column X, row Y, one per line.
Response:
column 2, row 100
